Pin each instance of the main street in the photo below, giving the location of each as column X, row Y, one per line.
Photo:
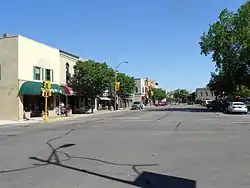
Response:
column 113, row 150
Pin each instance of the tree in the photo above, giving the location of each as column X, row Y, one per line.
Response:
column 180, row 94
column 158, row 93
column 92, row 79
column 220, row 83
column 228, row 41
column 127, row 86
column 242, row 91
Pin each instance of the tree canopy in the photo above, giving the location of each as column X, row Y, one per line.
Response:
column 180, row 93
column 127, row 85
column 158, row 93
column 92, row 78
column 228, row 43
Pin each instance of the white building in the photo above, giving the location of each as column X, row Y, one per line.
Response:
column 141, row 90
column 205, row 94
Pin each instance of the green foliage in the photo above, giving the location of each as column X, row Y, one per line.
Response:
column 228, row 41
column 158, row 93
column 127, row 85
column 180, row 93
column 242, row 91
column 92, row 78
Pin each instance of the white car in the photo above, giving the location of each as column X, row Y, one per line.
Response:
column 237, row 107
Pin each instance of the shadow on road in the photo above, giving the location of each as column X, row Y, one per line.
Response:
column 145, row 179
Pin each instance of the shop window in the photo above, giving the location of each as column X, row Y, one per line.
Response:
column 49, row 74
column 37, row 73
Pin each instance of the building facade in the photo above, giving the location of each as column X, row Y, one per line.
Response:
column 205, row 94
column 141, row 90
column 25, row 63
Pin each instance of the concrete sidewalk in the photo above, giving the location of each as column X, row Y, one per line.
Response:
column 8, row 123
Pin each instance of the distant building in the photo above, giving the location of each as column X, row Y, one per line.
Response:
column 141, row 89
column 205, row 94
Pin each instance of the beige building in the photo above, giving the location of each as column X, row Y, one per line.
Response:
column 24, row 64
column 205, row 94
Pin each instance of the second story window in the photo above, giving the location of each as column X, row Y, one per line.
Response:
column 136, row 89
column 67, row 73
column 37, row 73
column 201, row 94
column 49, row 74
column 206, row 93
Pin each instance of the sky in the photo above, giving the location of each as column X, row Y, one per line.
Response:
column 158, row 38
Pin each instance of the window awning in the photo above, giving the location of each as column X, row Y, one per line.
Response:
column 68, row 90
column 34, row 88
column 104, row 98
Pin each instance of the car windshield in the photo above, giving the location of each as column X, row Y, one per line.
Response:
column 238, row 103
column 136, row 102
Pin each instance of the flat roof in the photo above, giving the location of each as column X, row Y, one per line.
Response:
column 69, row 54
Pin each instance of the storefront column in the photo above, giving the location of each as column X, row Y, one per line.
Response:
column 20, row 108
column 67, row 100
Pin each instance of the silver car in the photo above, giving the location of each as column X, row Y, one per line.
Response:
column 137, row 105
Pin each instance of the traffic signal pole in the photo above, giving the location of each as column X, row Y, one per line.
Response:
column 45, row 118
column 46, row 92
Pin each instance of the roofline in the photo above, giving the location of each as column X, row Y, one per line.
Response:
column 10, row 36
column 69, row 54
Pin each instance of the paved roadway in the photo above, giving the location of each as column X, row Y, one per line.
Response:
column 123, row 149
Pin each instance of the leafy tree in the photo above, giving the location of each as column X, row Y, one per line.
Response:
column 127, row 86
column 92, row 79
column 228, row 41
column 242, row 91
column 220, row 83
column 158, row 93
column 180, row 93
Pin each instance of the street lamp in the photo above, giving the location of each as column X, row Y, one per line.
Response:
column 116, row 70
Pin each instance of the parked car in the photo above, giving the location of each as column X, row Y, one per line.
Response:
column 206, row 102
column 237, row 107
column 137, row 105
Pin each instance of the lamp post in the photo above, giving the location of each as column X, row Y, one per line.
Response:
column 116, row 71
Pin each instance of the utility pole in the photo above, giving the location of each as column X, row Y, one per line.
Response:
column 116, row 71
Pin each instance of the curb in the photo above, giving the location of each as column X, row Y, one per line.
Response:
column 31, row 122
column 82, row 115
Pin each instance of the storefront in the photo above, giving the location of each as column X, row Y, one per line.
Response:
column 33, row 102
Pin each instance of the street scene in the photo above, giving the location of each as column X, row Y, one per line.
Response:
column 182, row 146
column 125, row 94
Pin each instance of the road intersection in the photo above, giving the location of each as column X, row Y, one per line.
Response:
column 181, row 144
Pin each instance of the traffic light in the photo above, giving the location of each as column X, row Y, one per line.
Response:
column 117, row 86
column 49, row 84
column 49, row 92
column 44, row 84
column 43, row 92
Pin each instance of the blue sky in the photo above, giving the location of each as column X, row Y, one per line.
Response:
column 159, row 38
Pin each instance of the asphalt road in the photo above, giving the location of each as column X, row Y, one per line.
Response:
column 171, row 147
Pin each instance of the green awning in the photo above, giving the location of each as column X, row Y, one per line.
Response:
column 34, row 88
